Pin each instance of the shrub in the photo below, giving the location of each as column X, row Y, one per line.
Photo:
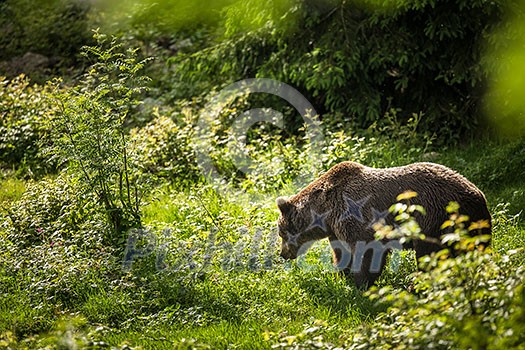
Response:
column 54, row 212
column 261, row 160
column 162, row 148
column 474, row 301
column 355, row 60
column 24, row 125
column 90, row 131
column 53, row 242
column 55, row 28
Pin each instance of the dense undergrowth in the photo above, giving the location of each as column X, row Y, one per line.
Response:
column 112, row 235
column 205, row 273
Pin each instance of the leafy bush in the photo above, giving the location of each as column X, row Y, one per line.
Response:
column 54, row 212
column 90, row 134
column 473, row 301
column 162, row 148
column 262, row 160
column 53, row 244
column 55, row 28
column 356, row 59
column 24, row 125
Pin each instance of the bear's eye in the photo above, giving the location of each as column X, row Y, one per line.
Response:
column 286, row 229
column 288, row 232
column 284, row 232
column 285, row 235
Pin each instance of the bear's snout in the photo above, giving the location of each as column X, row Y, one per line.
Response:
column 286, row 255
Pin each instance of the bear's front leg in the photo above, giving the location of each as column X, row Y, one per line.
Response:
column 341, row 254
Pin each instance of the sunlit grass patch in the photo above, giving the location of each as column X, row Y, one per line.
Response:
column 11, row 189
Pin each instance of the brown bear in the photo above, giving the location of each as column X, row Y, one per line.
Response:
column 344, row 203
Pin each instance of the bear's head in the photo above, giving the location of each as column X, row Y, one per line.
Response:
column 297, row 227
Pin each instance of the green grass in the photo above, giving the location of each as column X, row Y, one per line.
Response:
column 11, row 189
column 497, row 168
column 234, row 301
column 239, row 312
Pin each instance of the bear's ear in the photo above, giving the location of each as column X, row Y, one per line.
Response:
column 284, row 205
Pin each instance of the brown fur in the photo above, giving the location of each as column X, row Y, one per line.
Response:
column 436, row 186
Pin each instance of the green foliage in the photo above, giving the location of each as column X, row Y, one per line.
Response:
column 355, row 60
column 504, row 53
column 90, row 134
column 183, row 300
column 372, row 149
column 24, row 126
column 52, row 212
column 232, row 290
column 264, row 159
column 406, row 228
column 52, row 243
column 55, row 28
column 473, row 301
column 169, row 16
column 162, row 148
column 208, row 275
column 485, row 292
